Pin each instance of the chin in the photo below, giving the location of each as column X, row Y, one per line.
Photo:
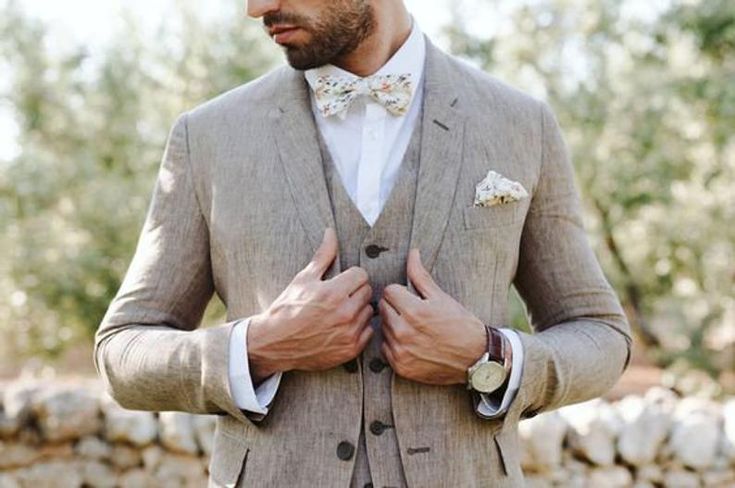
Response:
column 296, row 58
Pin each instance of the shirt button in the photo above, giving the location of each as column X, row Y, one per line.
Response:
column 376, row 310
column 373, row 251
column 345, row 450
column 377, row 365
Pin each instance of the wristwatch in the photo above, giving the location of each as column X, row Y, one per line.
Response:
column 493, row 368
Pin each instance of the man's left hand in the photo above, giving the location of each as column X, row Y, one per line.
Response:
column 430, row 338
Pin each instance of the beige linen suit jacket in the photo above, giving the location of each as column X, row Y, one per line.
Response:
column 239, row 207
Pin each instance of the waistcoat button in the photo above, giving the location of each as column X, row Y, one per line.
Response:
column 377, row 365
column 350, row 366
column 373, row 251
column 377, row 427
column 345, row 450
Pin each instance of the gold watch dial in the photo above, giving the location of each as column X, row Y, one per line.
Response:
column 488, row 377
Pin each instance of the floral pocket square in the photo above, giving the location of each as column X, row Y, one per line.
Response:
column 495, row 188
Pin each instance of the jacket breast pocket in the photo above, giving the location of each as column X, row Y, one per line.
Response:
column 499, row 215
column 227, row 462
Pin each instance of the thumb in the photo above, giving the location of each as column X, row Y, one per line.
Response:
column 419, row 276
column 324, row 255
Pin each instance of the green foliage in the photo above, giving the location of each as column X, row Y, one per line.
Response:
column 92, row 130
column 646, row 103
column 645, row 97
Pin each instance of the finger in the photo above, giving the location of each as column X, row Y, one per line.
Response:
column 400, row 298
column 420, row 276
column 350, row 279
column 365, row 315
column 323, row 256
column 394, row 326
column 365, row 337
column 387, row 353
column 360, row 297
column 363, row 319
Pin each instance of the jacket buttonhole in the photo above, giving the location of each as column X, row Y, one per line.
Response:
column 418, row 450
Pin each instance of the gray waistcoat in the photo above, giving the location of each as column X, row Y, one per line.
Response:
column 382, row 251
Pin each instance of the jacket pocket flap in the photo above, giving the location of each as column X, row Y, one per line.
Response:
column 227, row 460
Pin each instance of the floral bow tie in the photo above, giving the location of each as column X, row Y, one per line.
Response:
column 334, row 94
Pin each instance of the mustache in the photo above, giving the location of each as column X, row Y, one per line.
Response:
column 279, row 17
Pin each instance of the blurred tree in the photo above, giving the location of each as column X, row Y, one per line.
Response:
column 92, row 131
column 646, row 100
column 644, row 92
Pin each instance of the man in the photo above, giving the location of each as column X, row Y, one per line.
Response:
column 339, row 207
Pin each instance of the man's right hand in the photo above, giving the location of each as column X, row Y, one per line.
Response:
column 314, row 324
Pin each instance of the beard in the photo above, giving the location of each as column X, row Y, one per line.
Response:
column 337, row 32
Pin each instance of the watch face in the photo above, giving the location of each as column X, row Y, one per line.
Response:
column 488, row 377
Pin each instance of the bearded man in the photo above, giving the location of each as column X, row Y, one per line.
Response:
column 363, row 211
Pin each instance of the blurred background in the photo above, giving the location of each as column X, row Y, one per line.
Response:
column 644, row 91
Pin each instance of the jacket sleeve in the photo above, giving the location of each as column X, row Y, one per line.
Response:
column 582, row 339
column 149, row 349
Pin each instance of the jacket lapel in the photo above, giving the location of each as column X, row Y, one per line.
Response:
column 296, row 138
column 441, row 157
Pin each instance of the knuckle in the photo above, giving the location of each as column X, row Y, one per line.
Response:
column 361, row 274
column 399, row 353
column 343, row 314
column 356, row 348
column 368, row 290
column 416, row 314
column 320, row 291
column 330, row 295
column 402, row 334
column 302, row 273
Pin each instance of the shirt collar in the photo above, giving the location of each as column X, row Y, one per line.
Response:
column 408, row 59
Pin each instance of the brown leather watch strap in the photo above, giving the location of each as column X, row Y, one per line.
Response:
column 498, row 346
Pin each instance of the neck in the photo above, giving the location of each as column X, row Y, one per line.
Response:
column 392, row 29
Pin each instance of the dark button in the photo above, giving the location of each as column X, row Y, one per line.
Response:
column 345, row 450
column 374, row 304
column 377, row 365
column 373, row 251
column 350, row 366
column 377, row 427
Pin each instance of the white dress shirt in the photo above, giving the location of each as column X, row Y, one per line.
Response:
column 367, row 144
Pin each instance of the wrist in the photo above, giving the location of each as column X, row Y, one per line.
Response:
column 492, row 369
column 478, row 347
column 260, row 362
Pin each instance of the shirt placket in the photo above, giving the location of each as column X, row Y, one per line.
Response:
column 372, row 161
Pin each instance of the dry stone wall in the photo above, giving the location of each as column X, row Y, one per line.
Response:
column 55, row 434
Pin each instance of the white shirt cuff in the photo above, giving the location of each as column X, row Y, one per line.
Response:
column 241, row 384
column 490, row 408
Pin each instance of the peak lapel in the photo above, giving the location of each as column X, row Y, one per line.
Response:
column 440, row 159
column 296, row 138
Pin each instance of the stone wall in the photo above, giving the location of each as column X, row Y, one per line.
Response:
column 74, row 435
